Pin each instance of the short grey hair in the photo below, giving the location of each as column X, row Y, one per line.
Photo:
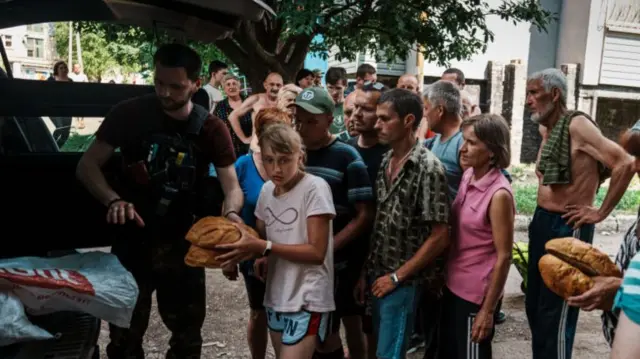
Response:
column 552, row 78
column 445, row 94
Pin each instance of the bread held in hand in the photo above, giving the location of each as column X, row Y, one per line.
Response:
column 209, row 232
column 570, row 263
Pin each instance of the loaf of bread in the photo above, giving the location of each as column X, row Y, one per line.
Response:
column 209, row 232
column 583, row 256
column 212, row 231
column 562, row 278
column 200, row 257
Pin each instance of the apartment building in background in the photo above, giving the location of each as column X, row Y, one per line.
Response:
column 30, row 49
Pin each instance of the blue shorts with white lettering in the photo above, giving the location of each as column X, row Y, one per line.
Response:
column 296, row 326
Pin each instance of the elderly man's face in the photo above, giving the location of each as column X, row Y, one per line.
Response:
column 540, row 102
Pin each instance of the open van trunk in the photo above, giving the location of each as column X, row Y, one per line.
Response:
column 46, row 208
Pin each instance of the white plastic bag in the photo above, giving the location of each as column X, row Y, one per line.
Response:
column 15, row 327
column 94, row 283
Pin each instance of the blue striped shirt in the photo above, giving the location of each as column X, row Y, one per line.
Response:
column 342, row 167
column 628, row 297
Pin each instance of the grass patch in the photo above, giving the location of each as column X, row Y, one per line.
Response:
column 77, row 143
column 526, row 199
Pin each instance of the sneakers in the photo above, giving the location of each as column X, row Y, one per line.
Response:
column 415, row 343
column 500, row 318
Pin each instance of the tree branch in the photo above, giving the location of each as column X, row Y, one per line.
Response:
column 252, row 42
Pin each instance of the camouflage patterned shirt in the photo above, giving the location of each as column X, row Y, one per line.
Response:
column 406, row 211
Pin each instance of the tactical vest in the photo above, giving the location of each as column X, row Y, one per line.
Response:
column 163, row 170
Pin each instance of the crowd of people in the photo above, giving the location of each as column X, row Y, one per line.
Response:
column 388, row 212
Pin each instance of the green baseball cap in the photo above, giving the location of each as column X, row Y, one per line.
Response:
column 315, row 100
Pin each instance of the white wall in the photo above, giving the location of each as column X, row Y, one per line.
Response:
column 572, row 39
column 510, row 42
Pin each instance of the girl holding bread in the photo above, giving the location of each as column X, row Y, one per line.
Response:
column 293, row 213
column 483, row 215
column 252, row 175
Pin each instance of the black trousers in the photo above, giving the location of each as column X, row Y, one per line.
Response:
column 552, row 321
column 455, row 330
column 158, row 266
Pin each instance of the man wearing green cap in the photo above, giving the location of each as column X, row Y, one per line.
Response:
column 344, row 170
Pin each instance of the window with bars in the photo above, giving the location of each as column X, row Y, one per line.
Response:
column 35, row 48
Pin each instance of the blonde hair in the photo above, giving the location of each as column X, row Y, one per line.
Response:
column 286, row 94
column 281, row 138
column 269, row 116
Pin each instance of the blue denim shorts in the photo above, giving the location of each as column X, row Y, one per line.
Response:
column 393, row 320
column 296, row 326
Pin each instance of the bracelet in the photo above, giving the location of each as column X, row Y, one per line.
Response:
column 114, row 201
column 228, row 213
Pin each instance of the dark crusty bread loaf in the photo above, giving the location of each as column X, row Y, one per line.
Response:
column 562, row 278
column 583, row 256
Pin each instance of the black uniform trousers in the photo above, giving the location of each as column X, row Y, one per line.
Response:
column 156, row 260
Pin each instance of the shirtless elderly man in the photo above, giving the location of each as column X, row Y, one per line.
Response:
column 272, row 85
column 570, row 167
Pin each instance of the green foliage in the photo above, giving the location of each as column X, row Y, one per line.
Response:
column 447, row 30
column 145, row 42
column 526, row 199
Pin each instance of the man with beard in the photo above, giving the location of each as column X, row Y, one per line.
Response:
column 571, row 165
column 342, row 167
column 166, row 143
column 272, row 85
column 364, row 120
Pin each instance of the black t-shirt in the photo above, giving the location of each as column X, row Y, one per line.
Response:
column 201, row 97
column 132, row 122
column 342, row 167
column 372, row 157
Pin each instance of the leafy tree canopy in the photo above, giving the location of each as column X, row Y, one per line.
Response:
column 443, row 29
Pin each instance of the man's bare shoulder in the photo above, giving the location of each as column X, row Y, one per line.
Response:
column 581, row 127
column 253, row 99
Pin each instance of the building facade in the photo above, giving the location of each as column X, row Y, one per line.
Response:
column 30, row 49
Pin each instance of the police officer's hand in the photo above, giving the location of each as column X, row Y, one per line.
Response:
column 120, row 212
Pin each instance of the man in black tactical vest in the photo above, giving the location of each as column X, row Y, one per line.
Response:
column 167, row 144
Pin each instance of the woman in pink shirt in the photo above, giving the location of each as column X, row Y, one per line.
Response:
column 479, row 258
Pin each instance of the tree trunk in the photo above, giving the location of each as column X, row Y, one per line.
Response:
column 246, row 50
